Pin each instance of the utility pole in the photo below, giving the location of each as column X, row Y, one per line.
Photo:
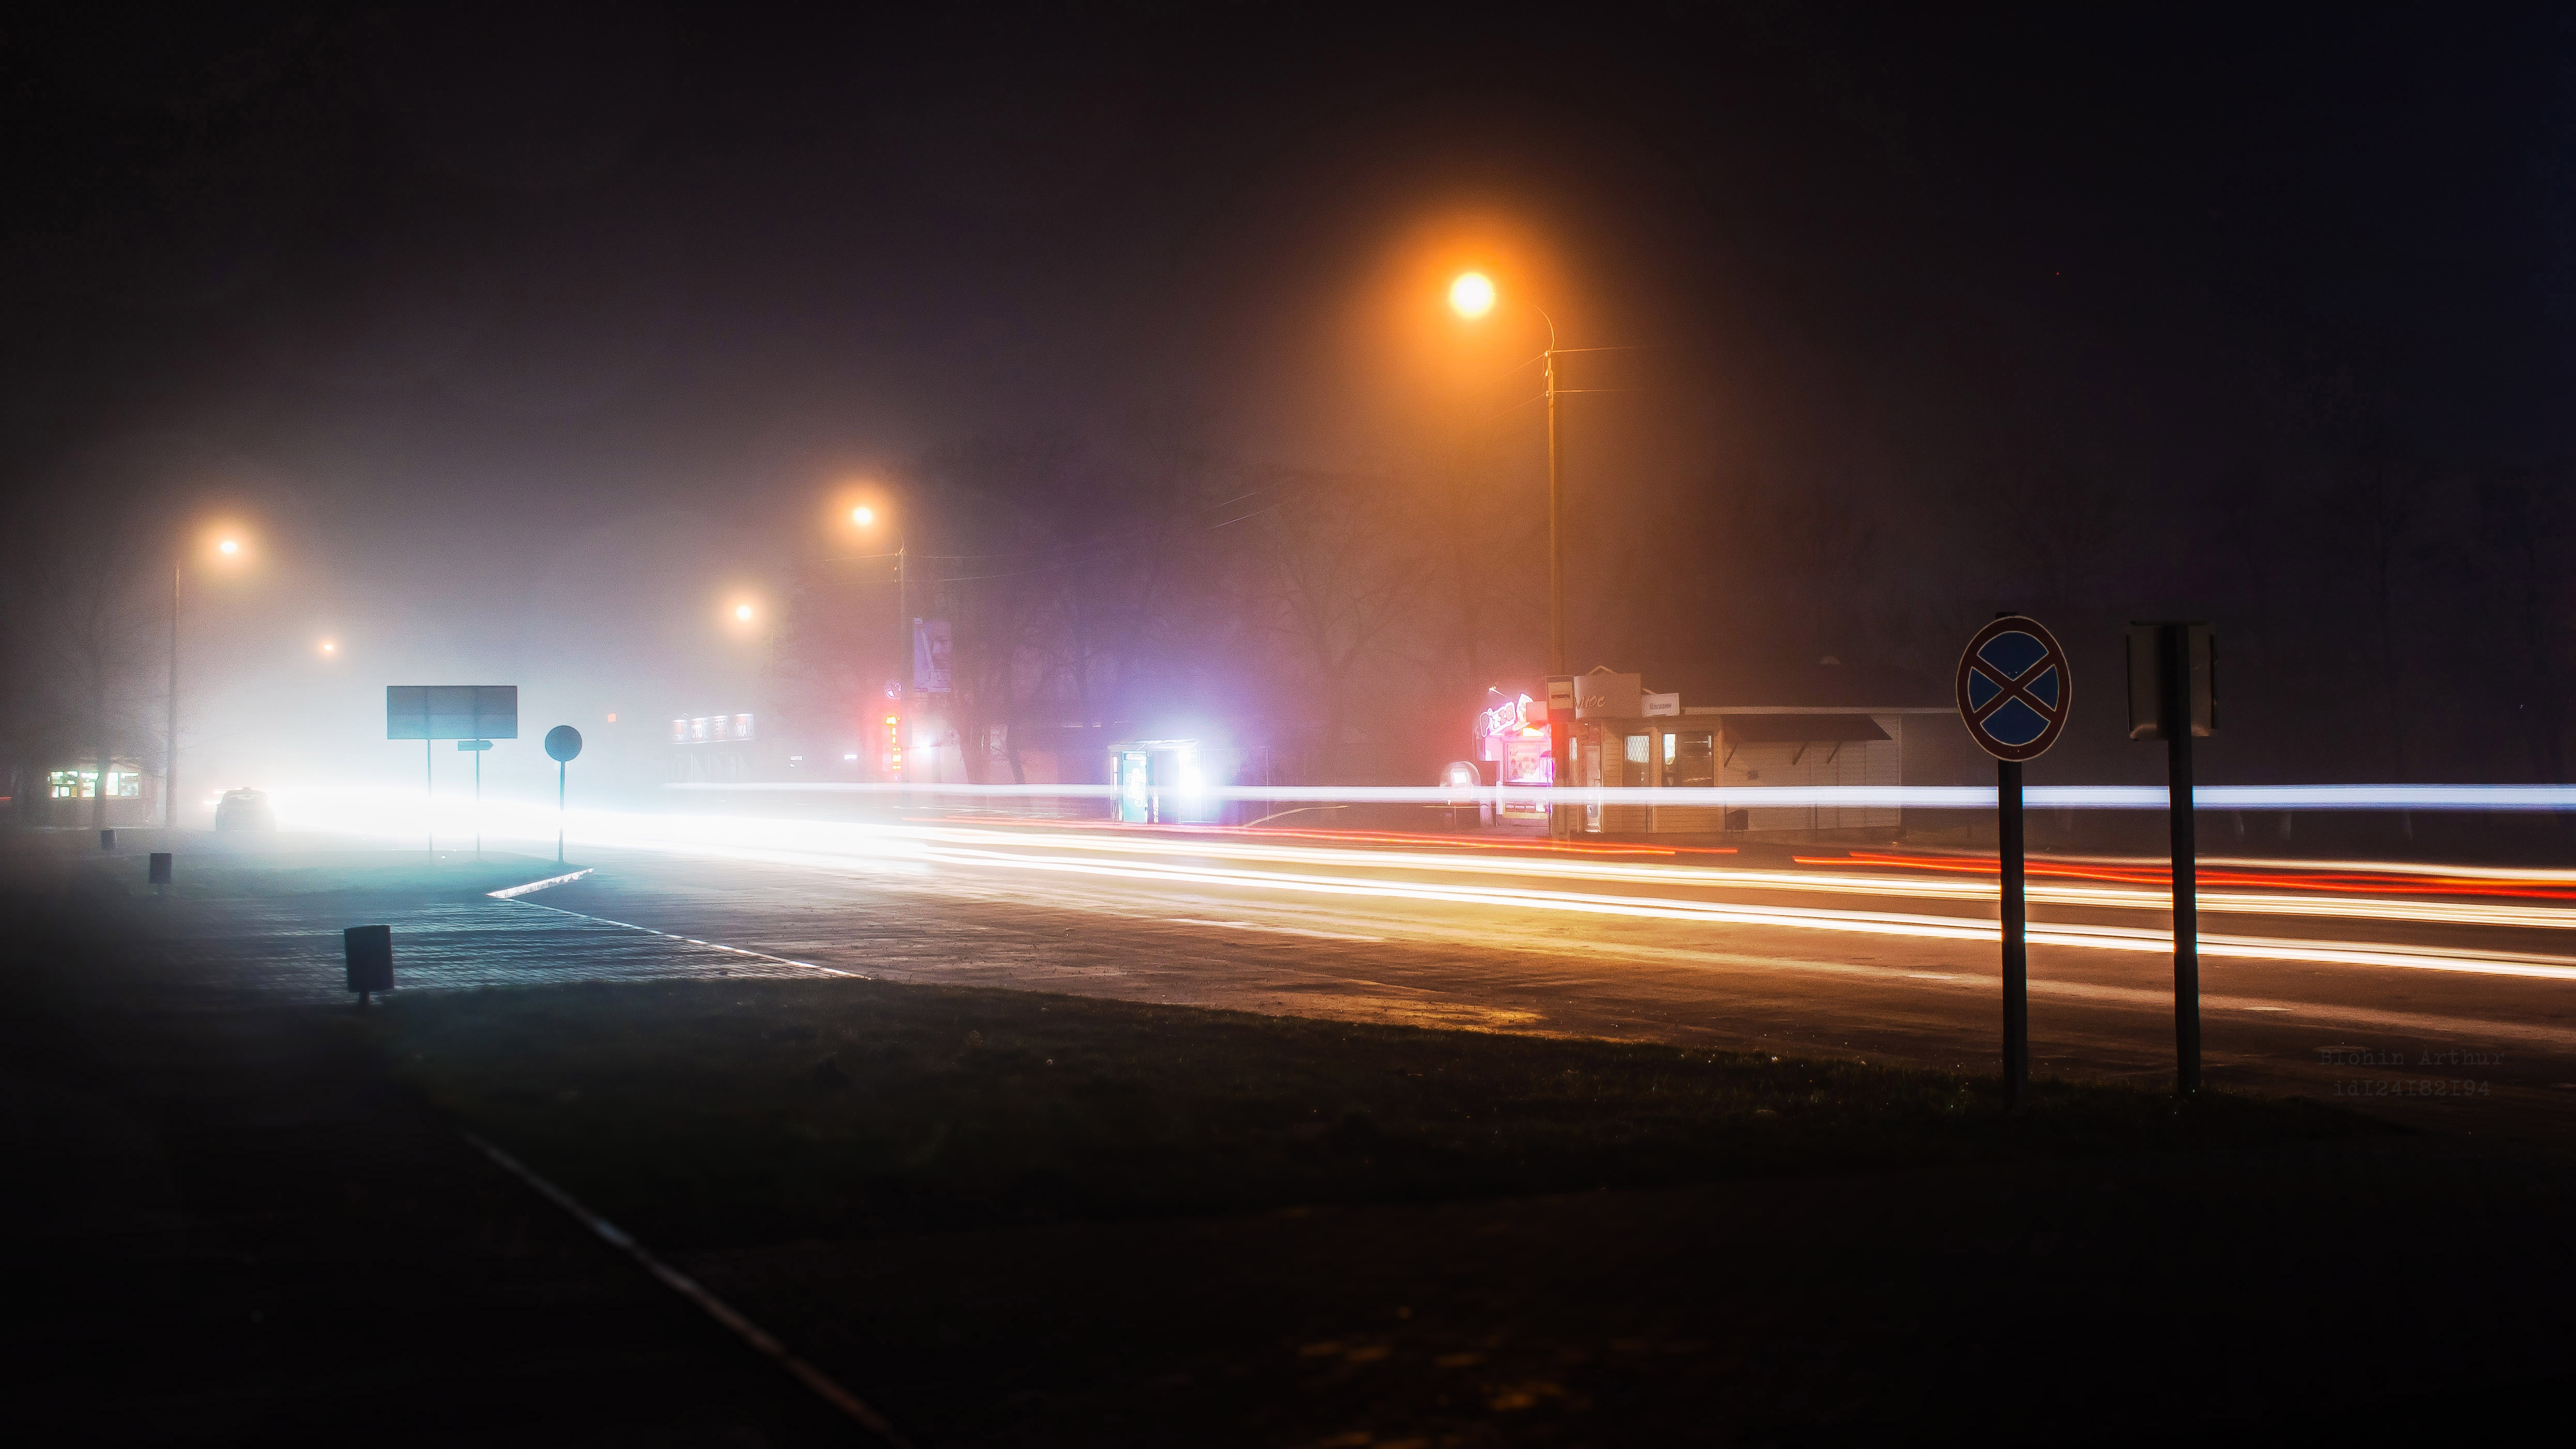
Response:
column 1560, row 819
column 170, row 734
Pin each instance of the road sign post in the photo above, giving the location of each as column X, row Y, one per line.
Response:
column 477, row 747
column 433, row 712
column 1560, row 745
column 2014, row 691
column 2173, row 696
column 563, row 745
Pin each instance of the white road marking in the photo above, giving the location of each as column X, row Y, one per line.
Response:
column 512, row 893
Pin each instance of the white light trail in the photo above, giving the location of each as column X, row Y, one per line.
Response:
column 2429, row 798
column 1260, row 865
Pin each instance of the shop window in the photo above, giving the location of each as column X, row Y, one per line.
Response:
column 83, row 784
column 1690, row 758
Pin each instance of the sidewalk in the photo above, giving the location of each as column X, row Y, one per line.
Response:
column 226, row 1226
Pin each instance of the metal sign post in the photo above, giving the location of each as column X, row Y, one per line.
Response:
column 2014, row 692
column 432, row 712
column 563, row 746
column 477, row 747
column 2173, row 696
column 1560, row 744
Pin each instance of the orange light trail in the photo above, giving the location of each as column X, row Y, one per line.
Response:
column 2559, row 886
column 1358, row 837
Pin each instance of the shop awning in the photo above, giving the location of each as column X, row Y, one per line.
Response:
column 1799, row 729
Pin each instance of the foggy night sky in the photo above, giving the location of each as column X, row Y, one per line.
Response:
column 525, row 337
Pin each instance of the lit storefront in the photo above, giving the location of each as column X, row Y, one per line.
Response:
column 1627, row 736
column 1513, row 741
column 713, row 746
column 1168, row 782
column 71, row 796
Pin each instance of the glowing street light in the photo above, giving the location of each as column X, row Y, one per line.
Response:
column 229, row 546
column 1472, row 294
column 742, row 612
column 330, row 647
column 863, row 515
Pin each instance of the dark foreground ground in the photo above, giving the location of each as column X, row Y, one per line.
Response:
column 1007, row 1218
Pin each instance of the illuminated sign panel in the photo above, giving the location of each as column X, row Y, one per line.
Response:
column 711, row 729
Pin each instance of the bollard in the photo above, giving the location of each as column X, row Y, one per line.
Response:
column 107, row 840
column 371, row 959
column 160, row 867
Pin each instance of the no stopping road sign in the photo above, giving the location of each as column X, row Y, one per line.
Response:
column 2014, row 688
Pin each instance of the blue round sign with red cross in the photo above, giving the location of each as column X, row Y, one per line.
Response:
column 2014, row 688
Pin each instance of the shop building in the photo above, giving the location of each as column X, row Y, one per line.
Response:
column 1625, row 735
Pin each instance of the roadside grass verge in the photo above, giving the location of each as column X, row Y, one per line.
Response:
column 733, row 1112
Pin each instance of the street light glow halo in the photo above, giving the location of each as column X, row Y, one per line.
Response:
column 863, row 515
column 1472, row 295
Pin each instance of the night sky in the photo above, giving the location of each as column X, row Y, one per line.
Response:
column 526, row 335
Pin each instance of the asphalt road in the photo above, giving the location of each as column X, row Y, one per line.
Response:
column 2441, row 997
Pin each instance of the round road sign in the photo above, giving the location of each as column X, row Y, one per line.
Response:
column 563, row 742
column 2015, row 689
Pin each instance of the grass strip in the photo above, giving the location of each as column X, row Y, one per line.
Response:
column 701, row 1113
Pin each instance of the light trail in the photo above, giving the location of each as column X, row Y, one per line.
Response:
column 1954, row 888
column 2397, row 878
column 2418, row 798
column 1877, row 923
column 1252, row 863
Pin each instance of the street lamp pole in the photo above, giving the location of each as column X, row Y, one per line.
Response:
column 1555, row 525
column 1473, row 296
column 903, row 652
column 170, row 734
column 1560, row 820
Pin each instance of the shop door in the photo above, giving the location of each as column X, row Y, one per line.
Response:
column 1631, row 769
column 1135, row 787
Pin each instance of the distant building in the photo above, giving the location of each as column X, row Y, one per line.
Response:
column 1626, row 735
column 68, row 795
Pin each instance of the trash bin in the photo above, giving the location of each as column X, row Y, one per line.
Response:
column 371, row 958
column 160, row 867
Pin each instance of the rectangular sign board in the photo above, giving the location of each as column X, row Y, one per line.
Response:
column 2146, row 680
column 1604, row 695
column 451, row 711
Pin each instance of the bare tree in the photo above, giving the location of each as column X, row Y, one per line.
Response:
column 1339, row 573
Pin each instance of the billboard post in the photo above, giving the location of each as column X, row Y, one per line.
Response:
column 432, row 712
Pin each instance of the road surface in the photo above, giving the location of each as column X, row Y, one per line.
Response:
column 2442, row 995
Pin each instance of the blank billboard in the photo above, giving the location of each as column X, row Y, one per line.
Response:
column 451, row 711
